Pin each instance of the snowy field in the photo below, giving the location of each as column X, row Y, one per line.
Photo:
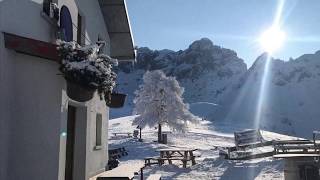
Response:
column 208, row 139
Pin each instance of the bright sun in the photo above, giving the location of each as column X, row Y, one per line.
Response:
column 272, row 39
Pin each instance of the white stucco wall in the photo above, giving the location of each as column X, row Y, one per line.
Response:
column 96, row 159
column 292, row 166
column 33, row 104
column 3, row 110
column 32, row 97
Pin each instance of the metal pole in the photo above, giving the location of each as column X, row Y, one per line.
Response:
column 141, row 175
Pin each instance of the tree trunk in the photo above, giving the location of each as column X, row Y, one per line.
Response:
column 159, row 134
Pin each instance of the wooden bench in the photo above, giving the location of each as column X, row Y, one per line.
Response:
column 184, row 160
column 148, row 161
column 135, row 133
column 291, row 148
column 154, row 177
column 117, row 153
column 180, row 154
column 250, row 137
column 123, row 172
column 160, row 161
column 123, row 133
column 114, row 155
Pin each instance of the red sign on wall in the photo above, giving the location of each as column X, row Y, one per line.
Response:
column 31, row 47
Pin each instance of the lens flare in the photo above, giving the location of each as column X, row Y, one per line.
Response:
column 272, row 39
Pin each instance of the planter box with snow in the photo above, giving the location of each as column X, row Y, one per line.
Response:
column 116, row 100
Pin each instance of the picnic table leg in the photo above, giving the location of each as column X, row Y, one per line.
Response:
column 161, row 157
column 192, row 158
column 168, row 156
column 184, row 161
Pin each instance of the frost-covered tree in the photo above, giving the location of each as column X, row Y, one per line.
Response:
column 159, row 101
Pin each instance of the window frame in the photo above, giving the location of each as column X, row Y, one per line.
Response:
column 98, row 134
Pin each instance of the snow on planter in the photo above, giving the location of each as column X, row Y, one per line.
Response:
column 86, row 67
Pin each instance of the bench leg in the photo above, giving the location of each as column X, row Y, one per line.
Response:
column 168, row 155
column 184, row 162
column 160, row 162
column 192, row 158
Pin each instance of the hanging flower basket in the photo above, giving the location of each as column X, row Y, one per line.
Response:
column 86, row 70
column 115, row 100
column 78, row 92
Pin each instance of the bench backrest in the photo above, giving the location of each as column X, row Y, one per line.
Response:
column 247, row 137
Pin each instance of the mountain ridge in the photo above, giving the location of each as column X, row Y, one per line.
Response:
column 213, row 74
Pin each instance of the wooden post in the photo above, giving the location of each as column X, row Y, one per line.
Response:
column 159, row 133
column 169, row 156
column 141, row 175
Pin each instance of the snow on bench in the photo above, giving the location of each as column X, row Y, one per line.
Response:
column 297, row 148
column 125, row 171
column 247, row 137
column 154, row 177
column 122, row 133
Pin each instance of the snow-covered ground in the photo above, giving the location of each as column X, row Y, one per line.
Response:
column 208, row 139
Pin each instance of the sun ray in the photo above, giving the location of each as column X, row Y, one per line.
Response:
column 271, row 41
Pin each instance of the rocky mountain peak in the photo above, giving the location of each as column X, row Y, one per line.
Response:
column 202, row 44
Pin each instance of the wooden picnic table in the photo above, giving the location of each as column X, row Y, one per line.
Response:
column 183, row 155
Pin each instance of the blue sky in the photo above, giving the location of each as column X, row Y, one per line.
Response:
column 233, row 24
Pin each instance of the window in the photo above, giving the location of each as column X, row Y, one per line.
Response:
column 46, row 7
column 98, row 131
column 102, row 50
column 81, row 34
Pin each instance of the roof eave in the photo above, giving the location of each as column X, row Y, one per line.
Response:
column 119, row 29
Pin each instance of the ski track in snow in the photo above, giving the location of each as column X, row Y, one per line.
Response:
column 203, row 137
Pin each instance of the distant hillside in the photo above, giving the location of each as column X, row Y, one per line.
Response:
column 290, row 97
column 218, row 81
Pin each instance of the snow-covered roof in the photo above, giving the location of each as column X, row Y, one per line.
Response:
column 118, row 25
